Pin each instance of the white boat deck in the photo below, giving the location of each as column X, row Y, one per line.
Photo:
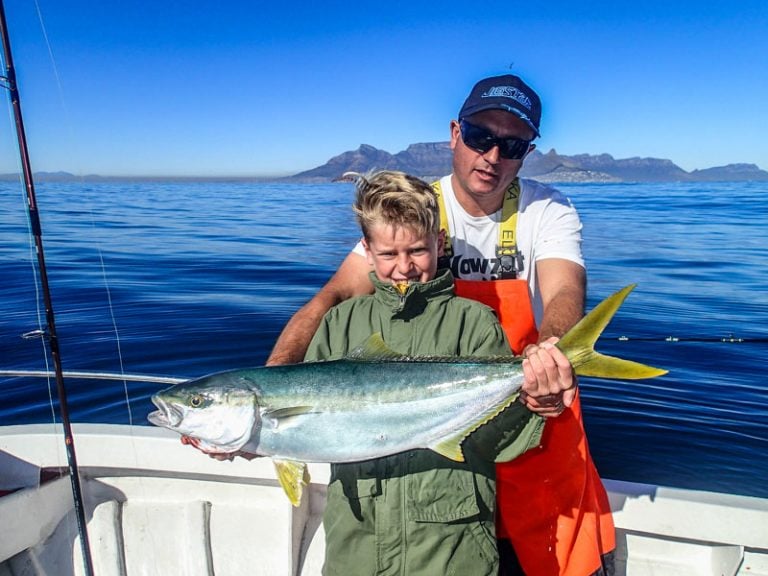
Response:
column 156, row 507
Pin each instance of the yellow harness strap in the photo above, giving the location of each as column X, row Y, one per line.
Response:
column 506, row 249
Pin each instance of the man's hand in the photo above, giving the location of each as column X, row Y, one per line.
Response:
column 550, row 384
column 187, row 441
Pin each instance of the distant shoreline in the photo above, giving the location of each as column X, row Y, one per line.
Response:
column 431, row 160
column 546, row 179
column 67, row 177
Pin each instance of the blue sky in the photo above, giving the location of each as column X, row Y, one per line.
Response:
column 251, row 88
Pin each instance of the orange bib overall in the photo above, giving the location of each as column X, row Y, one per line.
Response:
column 551, row 502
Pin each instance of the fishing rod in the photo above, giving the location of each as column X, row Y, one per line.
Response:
column 50, row 335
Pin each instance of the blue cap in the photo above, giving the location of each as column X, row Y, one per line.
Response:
column 507, row 93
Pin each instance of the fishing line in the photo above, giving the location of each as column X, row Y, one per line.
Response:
column 51, row 335
column 66, row 117
column 40, row 332
column 72, row 144
column 731, row 339
column 114, row 328
column 122, row 376
column 103, row 267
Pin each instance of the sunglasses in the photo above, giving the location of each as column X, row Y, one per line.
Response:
column 482, row 140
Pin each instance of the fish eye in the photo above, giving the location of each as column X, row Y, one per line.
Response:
column 196, row 401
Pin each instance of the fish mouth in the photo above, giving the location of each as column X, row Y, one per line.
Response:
column 167, row 415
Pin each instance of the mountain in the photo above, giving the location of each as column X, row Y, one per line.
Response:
column 433, row 159
column 359, row 160
column 429, row 159
column 69, row 177
column 42, row 176
column 730, row 173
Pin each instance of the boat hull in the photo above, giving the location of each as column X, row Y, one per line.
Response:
column 156, row 507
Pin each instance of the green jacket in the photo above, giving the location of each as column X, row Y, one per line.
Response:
column 418, row 512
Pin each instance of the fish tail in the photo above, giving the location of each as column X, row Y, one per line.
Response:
column 578, row 345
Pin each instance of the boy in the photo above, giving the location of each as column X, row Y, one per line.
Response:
column 415, row 512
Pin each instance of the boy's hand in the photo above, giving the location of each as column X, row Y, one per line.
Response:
column 550, row 384
column 187, row 441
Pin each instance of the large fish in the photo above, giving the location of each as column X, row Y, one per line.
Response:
column 370, row 404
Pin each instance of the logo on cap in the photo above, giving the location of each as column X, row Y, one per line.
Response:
column 508, row 92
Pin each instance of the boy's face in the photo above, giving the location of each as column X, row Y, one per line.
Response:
column 398, row 254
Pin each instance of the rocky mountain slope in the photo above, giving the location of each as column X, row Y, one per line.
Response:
column 433, row 159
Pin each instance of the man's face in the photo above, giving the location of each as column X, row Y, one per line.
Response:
column 399, row 255
column 483, row 176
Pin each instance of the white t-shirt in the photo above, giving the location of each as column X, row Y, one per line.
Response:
column 548, row 226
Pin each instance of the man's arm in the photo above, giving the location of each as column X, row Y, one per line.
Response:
column 351, row 279
column 563, row 286
column 550, row 382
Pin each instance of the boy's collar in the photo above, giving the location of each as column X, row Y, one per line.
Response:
column 443, row 281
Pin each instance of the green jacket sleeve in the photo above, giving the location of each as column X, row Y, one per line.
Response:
column 331, row 339
column 320, row 346
column 324, row 346
column 504, row 438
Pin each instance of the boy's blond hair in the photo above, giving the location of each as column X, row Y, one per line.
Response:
column 398, row 199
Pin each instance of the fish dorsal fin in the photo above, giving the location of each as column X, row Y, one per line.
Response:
column 374, row 349
column 283, row 417
column 293, row 476
column 450, row 446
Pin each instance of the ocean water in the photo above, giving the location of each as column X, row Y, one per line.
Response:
column 187, row 278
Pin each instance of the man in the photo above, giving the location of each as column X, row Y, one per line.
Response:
column 514, row 245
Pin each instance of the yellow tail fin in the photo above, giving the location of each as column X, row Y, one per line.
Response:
column 579, row 345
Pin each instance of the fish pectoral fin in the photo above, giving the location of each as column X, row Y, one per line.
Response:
column 450, row 446
column 293, row 476
column 282, row 417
